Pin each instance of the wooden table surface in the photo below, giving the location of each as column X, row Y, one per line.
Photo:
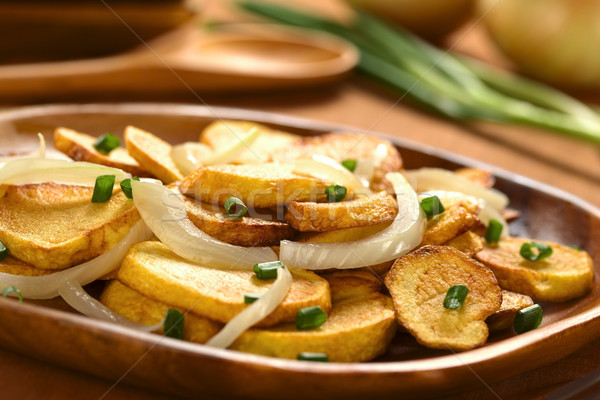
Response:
column 565, row 163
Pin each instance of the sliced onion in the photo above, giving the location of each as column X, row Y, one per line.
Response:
column 190, row 156
column 441, row 179
column 39, row 153
column 39, row 170
column 365, row 168
column 255, row 312
column 46, row 286
column 165, row 214
column 329, row 170
column 403, row 235
column 75, row 296
column 486, row 212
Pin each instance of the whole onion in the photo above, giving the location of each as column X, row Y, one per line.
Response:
column 557, row 41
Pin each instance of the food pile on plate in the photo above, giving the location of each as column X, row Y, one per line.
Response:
column 258, row 240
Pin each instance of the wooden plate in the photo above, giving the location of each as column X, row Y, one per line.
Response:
column 48, row 331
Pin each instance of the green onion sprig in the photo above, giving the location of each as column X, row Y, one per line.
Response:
column 527, row 252
column 267, row 270
column 11, row 289
column 310, row 318
column 3, row 251
column 528, row 318
column 455, row 297
column 173, row 325
column 432, row 206
column 306, row 356
column 106, row 143
column 350, row 164
column 494, row 231
column 103, row 188
column 126, row 187
column 457, row 87
column 235, row 207
column 335, row 193
column 250, row 298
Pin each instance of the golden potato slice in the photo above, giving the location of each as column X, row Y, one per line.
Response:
column 257, row 185
column 245, row 231
column 469, row 243
column 153, row 154
column 453, row 222
column 11, row 265
column 349, row 235
column 144, row 310
column 504, row 318
column 220, row 135
column 356, row 330
column 322, row 217
column 565, row 275
column 342, row 146
column 482, row 177
column 351, row 283
column 53, row 226
column 153, row 270
column 80, row 147
column 418, row 283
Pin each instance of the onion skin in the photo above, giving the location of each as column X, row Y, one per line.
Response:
column 555, row 41
column 430, row 19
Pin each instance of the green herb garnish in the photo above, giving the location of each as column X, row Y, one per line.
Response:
column 542, row 251
column 106, row 143
column 103, row 188
column 335, row 193
column 235, row 208
column 455, row 297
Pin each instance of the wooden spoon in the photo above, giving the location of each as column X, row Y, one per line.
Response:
column 239, row 56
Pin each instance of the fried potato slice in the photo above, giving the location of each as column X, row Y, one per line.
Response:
column 221, row 134
column 504, row 318
column 53, row 226
column 469, row 243
column 152, row 153
column 245, row 231
column 349, row 235
column 356, row 330
column 349, row 284
column 453, row 222
column 11, row 265
column 418, row 283
column 257, row 185
column 341, row 146
column 482, row 177
column 322, row 217
column 565, row 275
column 138, row 308
column 153, row 270
column 80, row 147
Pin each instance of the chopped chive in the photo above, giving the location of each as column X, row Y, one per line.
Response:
column 3, row 251
column 306, row 356
column 173, row 325
column 126, row 187
column 527, row 252
column 350, row 164
column 310, row 317
column 528, row 318
column 432, row 206
column 493, row 232
column 455, row 297
column 235, row 208
column 12, row 289
column 335, row 193
column 250, row 298
column 103, row 188
column 107, row 143
column 267, row 270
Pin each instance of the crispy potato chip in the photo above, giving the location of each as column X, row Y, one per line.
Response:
column 469, row 243
column 11, row 265
column 482, row 177
column 352, row 283
column 342, row 146
column 418, row 283
column 80, row 147
column 155, row 271
column 74, row 229
column 221, row 134
column 322, row 217
column 504, row 318
column 453, row 222
column 565, row 275
column 153, row 154
column 257, row 185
